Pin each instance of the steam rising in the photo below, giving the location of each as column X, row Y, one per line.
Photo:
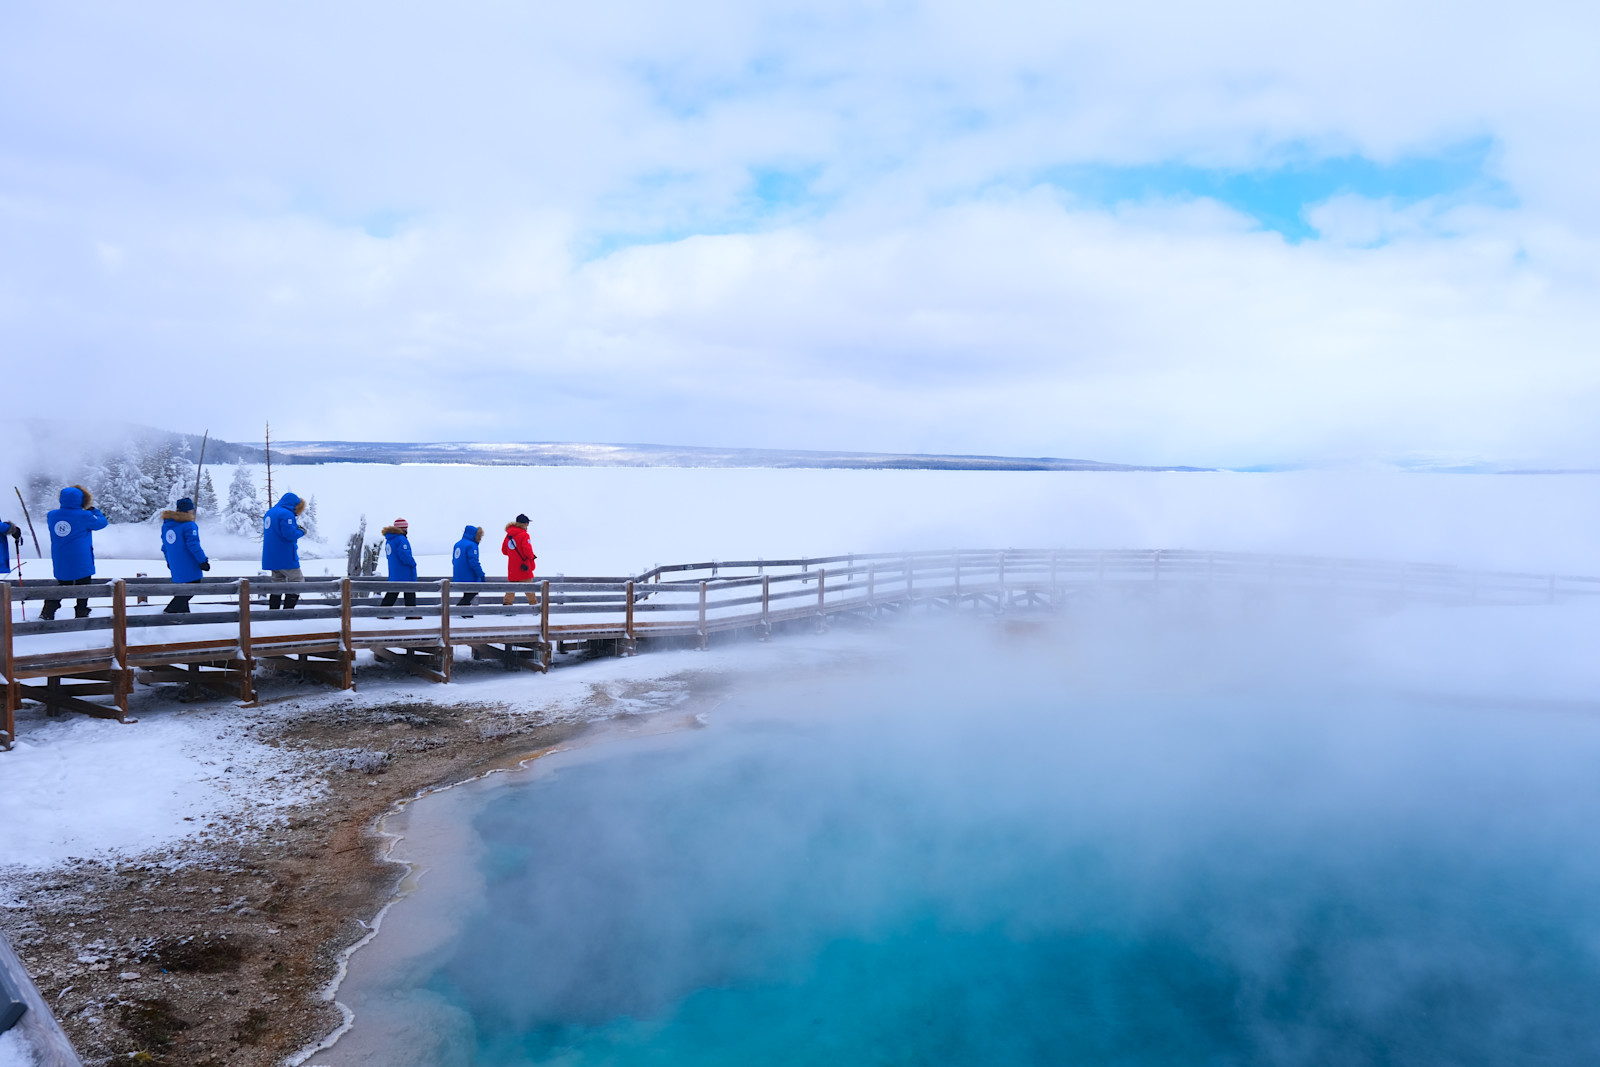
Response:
column 1153, row 834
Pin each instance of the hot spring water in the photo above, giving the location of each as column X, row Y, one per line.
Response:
column 1028, row 855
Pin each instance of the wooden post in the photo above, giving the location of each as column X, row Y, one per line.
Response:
column 766, row 601
column 872, row 591
column 346, row 636
column 8, row 707
column 1005, row 594
column 122, row 676
column 544, row 610
column 244, row 619
column 444, row 613
column 822, row 593
column 1155, row 572
column 957, row 555
column 911, row 582
column 627, row 617
column 702, row 614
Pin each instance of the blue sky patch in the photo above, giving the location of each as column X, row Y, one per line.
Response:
column 1278, row 197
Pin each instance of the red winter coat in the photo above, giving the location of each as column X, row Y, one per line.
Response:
column 519, row 553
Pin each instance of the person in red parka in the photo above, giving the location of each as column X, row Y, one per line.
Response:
column 519, row 557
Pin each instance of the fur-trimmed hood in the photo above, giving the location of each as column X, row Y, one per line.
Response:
column 76, row 496
column 387, row 530
column 177, row 516
column 292, row 502
column 516, row 526
column 472, row 533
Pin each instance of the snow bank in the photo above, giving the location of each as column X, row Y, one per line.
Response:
column 86, row 787
column 80, row 787
column 15, row 1050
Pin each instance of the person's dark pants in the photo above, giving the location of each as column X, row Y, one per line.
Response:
column 389, row 598
column 82, row 610
column 179, row 605
column 289, row 600
column 466, row 598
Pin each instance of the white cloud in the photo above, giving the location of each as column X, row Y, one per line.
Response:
column 186, row 195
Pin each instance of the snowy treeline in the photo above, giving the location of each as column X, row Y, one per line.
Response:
column 146, row 477
column 134, row 483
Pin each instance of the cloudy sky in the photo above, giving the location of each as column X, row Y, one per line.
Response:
column 1230, row 233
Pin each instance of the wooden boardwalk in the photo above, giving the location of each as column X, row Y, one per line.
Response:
column 91, row 665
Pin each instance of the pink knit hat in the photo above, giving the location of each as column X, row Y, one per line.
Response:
column 401, row 524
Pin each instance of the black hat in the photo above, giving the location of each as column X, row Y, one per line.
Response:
column 185, row 504
column 523, row 519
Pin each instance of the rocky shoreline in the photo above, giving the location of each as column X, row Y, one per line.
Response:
column 217, row 951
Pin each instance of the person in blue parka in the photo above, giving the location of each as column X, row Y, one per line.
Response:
column 402, row 564
column 280, row 549
column 180, row 543
column 464, row 563
column 72, row 527
column 12, row 530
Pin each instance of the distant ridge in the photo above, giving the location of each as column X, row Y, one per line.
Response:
column 556, row 454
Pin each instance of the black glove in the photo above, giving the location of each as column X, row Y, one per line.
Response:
column 206, row 565
column 16, row 531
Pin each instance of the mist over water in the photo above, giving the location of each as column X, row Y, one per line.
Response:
column 1125, row 839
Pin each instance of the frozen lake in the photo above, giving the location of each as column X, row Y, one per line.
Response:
column 624, row 520
column 1132, row 839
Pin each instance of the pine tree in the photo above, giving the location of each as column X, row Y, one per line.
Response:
column 178, row 472
column 155, row 464
column 206, row 502
column 128, row 493
column 308, row 521
column 42, row 490
column 244, row 511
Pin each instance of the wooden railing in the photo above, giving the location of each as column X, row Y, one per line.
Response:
column 231, row 630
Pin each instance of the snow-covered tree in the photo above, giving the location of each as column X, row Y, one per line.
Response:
column 178, row 472
column 206, row 502
column 308, row 521
column 154, row 464
column 127, row 493
column 244, row 511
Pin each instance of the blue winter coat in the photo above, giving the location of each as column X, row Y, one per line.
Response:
column 180, row 543
column 72, row 527
column 397, row 548
column 464, row 560
column 280, row 534
column 5, row 548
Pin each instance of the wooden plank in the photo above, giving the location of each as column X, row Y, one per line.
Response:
column 9, row 700
column 119, row 643
column 702, row 614
column 348, row 679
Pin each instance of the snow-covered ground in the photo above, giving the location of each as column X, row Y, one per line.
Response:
column 80, row 787
column 623, row 520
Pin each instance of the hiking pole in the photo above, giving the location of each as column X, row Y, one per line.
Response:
column 36, row 550
column 198, row 468
column 24, row 503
